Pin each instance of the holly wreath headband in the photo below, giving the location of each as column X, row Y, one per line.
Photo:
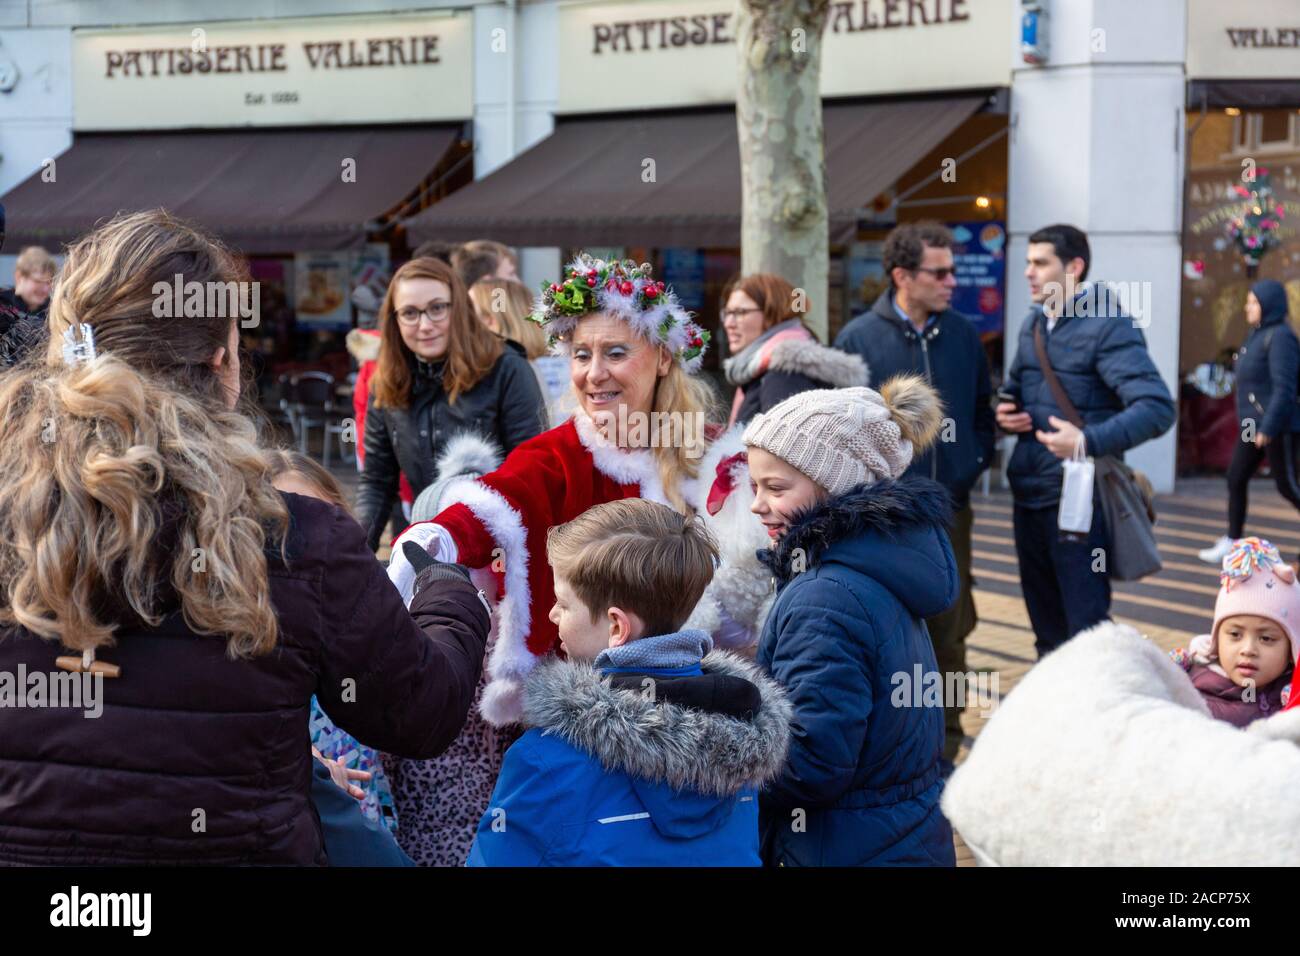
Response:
column 626, row 291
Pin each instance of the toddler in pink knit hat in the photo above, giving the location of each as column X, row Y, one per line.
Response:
column 1243, row 666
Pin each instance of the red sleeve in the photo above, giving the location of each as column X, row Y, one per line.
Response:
column 527, row 493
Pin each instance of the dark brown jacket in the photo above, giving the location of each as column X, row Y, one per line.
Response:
column 197, row 758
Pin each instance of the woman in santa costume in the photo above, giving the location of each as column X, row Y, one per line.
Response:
column 638, row 432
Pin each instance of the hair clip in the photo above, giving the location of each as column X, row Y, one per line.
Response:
column 78, row 352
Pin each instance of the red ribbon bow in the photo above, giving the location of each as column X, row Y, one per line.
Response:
column 724, row 484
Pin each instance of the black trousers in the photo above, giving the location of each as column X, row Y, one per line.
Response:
column 1281, row 452
column 1066, row 583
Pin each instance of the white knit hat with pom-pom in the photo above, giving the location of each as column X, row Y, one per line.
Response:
column 845, row 437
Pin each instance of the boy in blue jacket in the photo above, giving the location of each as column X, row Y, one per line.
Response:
column 645, row 747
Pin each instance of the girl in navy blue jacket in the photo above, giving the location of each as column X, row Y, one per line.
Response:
column 860, row 557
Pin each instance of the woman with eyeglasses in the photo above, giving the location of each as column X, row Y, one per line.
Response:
column 773, row 355
column 441, row 373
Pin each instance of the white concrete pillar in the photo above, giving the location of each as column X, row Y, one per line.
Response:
column 1097, row 141
column 36, row 109
column 516, row 87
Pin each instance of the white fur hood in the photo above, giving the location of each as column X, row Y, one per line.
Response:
column 1105, row 755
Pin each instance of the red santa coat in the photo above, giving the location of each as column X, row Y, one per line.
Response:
column 501, row 521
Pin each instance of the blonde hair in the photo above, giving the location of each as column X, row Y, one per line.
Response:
column 472, row 349
column 680, row 397
column 505, row 305
column 97, row 460
column 286, row 461
column 634, row 554
column 35, row 261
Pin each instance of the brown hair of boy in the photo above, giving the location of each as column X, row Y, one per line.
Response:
column 637, row 555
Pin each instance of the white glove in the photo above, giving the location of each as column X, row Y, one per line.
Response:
column 434, row 538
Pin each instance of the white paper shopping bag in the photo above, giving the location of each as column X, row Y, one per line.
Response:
column 1075, row 516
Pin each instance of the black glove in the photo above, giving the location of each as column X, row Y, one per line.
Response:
column 429, row 569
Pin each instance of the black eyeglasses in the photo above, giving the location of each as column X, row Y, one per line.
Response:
column 939, row 274
column 438, row 312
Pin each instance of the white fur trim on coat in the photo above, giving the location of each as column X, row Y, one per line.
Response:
column 628, row 467
column 741, row 587
column 1106, row 755
column 511, row 659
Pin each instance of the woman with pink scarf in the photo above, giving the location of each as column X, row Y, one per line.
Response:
column 773, row 355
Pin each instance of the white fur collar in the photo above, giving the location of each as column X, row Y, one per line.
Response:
column 635, row 466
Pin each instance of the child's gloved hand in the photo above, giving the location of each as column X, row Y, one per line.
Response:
column 429, row 537
column 428, row 569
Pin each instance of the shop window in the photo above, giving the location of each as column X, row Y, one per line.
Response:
column 1274, row 127
column 1264, row 132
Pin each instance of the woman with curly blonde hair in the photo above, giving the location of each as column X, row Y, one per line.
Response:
column 145, row 552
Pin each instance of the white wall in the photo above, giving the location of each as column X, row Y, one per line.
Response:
column 36, row 114
column 1097, row 141
column 511, row 117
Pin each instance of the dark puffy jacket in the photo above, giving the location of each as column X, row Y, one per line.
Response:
column 197, row 758
column 1268, row 366
column 863, row 768
column 773, row 370
column 1101, row 358
column 506, row 407
column 950, row 356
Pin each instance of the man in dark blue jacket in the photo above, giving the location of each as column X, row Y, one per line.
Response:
column 1100, row 357
column 912, row 328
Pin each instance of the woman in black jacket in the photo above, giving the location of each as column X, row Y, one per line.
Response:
column 153, row 580
column 1267, row 369
column 441, row 372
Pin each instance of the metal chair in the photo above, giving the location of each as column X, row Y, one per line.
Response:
column 313, row 403
column 282, row 412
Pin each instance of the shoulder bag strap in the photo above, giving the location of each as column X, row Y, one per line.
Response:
column 1058, row 391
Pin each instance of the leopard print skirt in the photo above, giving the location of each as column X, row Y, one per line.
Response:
column 440, row 802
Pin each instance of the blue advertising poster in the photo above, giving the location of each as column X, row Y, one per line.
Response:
column 980, row 258
column 683, row 270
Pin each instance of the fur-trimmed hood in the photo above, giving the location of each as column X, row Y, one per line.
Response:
column 363, row 345
column 661, row 742
column 892, row 530
column 789, row 347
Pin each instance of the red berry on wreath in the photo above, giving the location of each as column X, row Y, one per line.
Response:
column 591, row 280
column 626, row 287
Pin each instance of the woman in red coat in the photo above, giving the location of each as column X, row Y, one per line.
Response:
column 639, row 431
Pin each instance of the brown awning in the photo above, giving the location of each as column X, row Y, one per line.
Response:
column 262, row 191
column 1244, row 94
column 584, row 185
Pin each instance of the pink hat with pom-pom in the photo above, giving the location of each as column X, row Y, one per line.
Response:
column 1255, row 580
